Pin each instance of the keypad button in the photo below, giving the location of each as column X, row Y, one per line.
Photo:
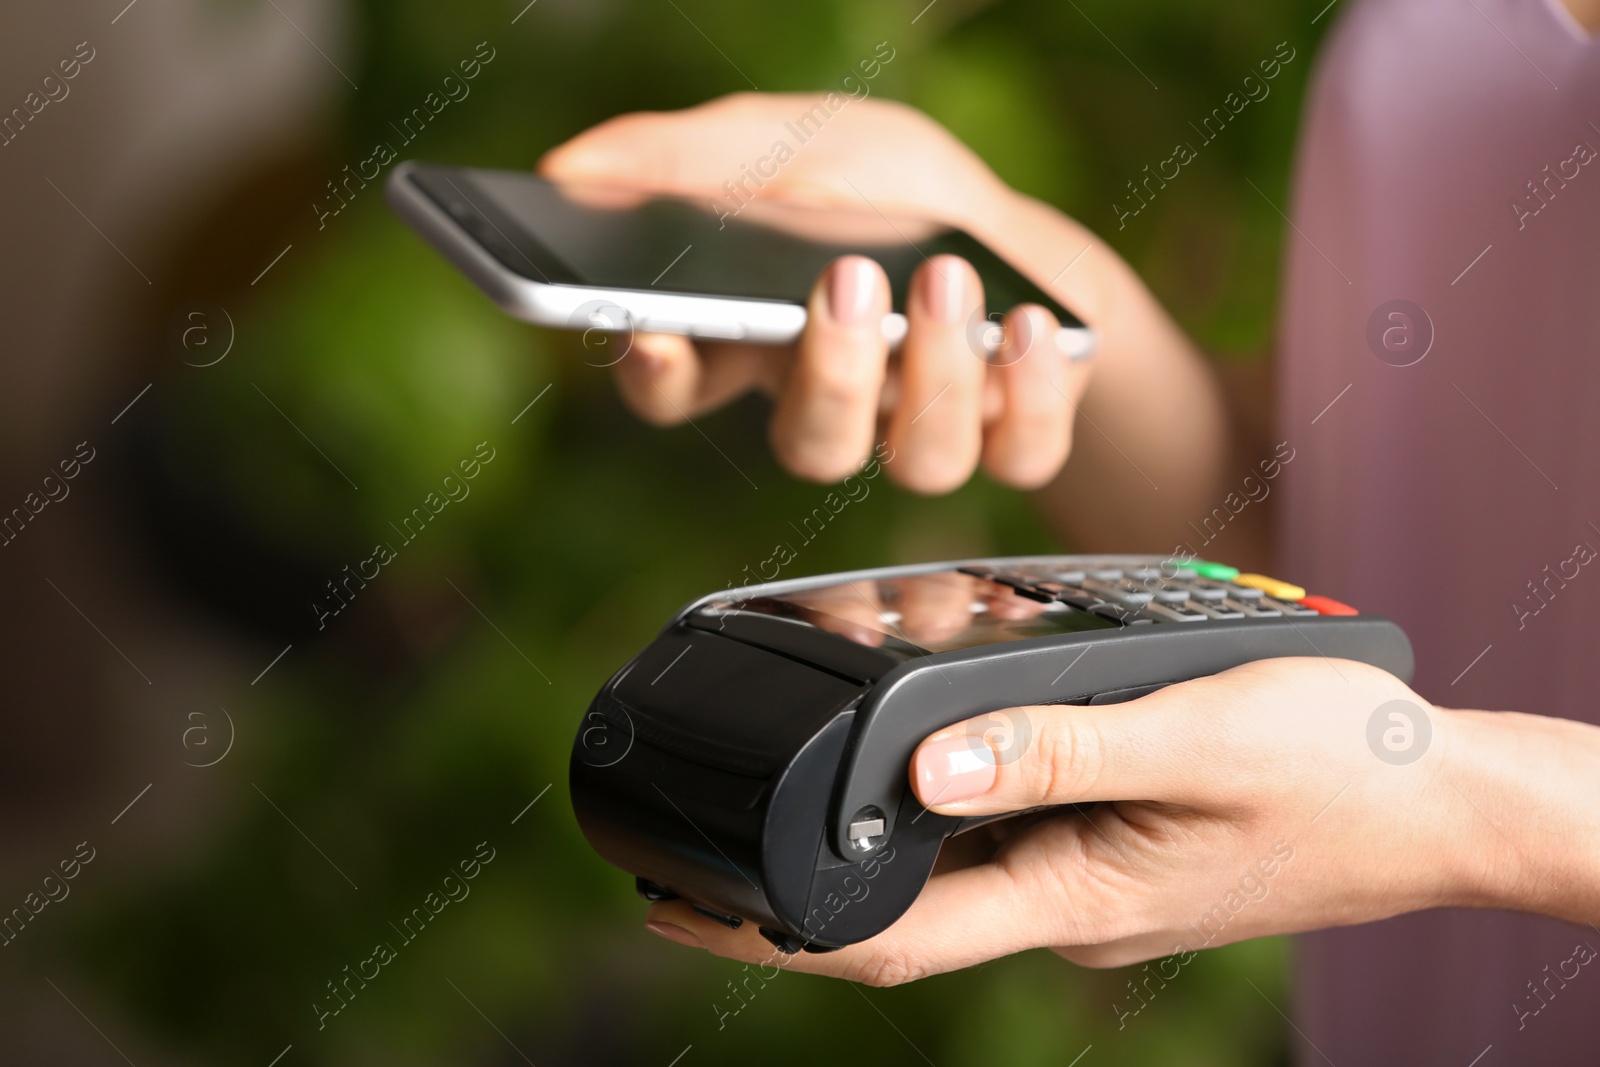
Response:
column 1067, row 595
column 1113, row 611
column 1171, row 596
column 1219, row 610
column 1244, row 592
column 1220, row 571
column 1253, row 609
column 1291, row 608
column 1145, row 574
column 1271, row 586
column 1178, row 568
column 1323, row 605
column 1070, row 577
column 1123, row 592
column 1207, row 592
column 1172, row 613
column 1106, row 574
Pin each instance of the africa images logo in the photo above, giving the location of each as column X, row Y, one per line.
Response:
column 1399, row 732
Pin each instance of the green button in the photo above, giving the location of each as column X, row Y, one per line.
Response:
column 1217, row 571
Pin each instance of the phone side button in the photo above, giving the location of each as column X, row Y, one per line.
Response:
column 719, row 331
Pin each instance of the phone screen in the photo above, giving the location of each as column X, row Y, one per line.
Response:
column 613, row 238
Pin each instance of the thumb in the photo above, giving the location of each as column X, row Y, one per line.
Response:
column 1147, row 749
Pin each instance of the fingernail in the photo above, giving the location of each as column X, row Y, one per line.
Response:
column 943, row 285
column 1076, row 345
column 953, row 769
column 850, row 290
column 674, row 932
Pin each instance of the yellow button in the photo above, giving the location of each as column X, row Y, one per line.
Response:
column 1271, row 586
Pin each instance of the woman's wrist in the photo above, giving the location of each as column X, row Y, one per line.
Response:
column 1158, row 412
column 1527, row 795
column 1063, row 256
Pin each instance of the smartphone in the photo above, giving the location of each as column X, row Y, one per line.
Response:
column 588, row 257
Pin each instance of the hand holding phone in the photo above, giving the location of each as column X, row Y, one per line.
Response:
column 643, row 234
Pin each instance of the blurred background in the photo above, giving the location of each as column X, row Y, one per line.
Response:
column 265, row 386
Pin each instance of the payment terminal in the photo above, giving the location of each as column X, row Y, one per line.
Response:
column 753, row 759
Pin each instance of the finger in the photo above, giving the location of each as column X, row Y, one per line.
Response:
column 667, row 378
column 1157, row 748
column 688, row 151
column 936, row 430
column 1039, row 389
column 827, row 411
column 643, row 149
column 960, row 919
column 658, row 376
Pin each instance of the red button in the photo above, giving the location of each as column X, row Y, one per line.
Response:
column 1328, row 606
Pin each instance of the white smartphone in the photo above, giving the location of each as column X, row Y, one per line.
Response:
column 588, row 257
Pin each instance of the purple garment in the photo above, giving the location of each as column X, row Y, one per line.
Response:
column 1452, row 494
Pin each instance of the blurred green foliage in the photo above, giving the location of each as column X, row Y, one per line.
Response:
column 587, row 530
